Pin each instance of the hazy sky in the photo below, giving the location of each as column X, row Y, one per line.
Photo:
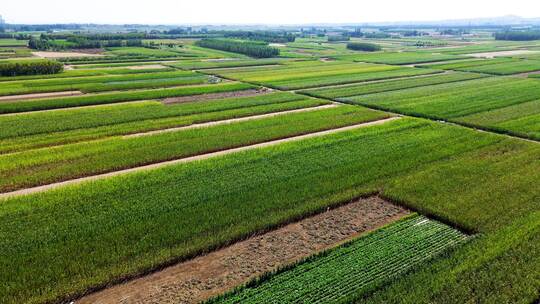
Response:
column 245, row 11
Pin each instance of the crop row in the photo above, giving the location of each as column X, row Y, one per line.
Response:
column 358, row 267
column 453, row 101
column 89, row 72
column 100, row 83
column 58, row 244
column 115, row 97
column 50, row 128
column 206, row 64
column 302, row 75
column 390, row 85
column 399, row 57
column 49, row 165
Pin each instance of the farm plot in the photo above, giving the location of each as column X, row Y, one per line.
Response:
column 348, row 272
column 88, row 72
column 522, row 119
column 389, row 85
column 400, row 57
column 469, row 63
column 506, row 68
column 193, row 281
column 454, row 101
column 90, row 84
column 116, row 97
column 49, row 165
column 232, row 63
column 49, row 128
column 159, row 217
column 301, row 75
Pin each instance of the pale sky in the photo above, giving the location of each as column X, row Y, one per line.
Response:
column 257, row 12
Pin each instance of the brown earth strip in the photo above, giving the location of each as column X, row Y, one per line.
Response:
column 217, row 272
column 210, row 96
column 39, row 95
column 189, row 159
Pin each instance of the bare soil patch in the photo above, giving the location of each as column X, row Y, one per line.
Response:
column 64, row 54
column 502, row 53
column 203, row 97
column 39, row 95
column 217, row 272
column 148, row 66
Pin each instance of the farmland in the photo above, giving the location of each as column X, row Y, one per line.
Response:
column 164, row 164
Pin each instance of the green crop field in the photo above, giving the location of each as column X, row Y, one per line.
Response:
column 390, row 85
column 107, row 98
column 300, row 75
column 463, row 102
column 49, row 128
column 44, row 166
column 400, row 58
column 146, row 163
column 355, row 268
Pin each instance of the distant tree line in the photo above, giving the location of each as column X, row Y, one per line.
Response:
column 517, row 35
column 363, row 46
column 276, row 37
column 46, row 42
column 252, row 49
column 335, row 38
column 30, row 67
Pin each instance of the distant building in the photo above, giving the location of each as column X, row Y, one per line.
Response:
column 2, row 20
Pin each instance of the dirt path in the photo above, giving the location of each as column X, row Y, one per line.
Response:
column 64, row 54
column 39, row 95
column 211, row 96
column 189, row 159
column 233, row 120
column 206, row 276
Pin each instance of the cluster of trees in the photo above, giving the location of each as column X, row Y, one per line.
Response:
column 334, row 38
column 256, row 50
column 453, row 32
column 46, row 42
column 377, row 35
column 363, row 46
column 30, row 67
column 276, row 37
column 413, row 33
column 518, row 35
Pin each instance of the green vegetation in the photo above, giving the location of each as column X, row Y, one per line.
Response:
column 86, row 73
column 360, row 266
column 103, row 231
column 497, row 66
column 107, row 98
column 192, row 65
column 113, row 82
column 30, row 67
column 390, row 85
column 399, row 57
column 42, row 129
column 49, row 165
column 453, row 101
column 243, row 47
column 363, row 46
column 517, row 35
column 308, row 74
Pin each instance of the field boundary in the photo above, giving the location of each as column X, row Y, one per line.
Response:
column 233, row 120
column 191, row 158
